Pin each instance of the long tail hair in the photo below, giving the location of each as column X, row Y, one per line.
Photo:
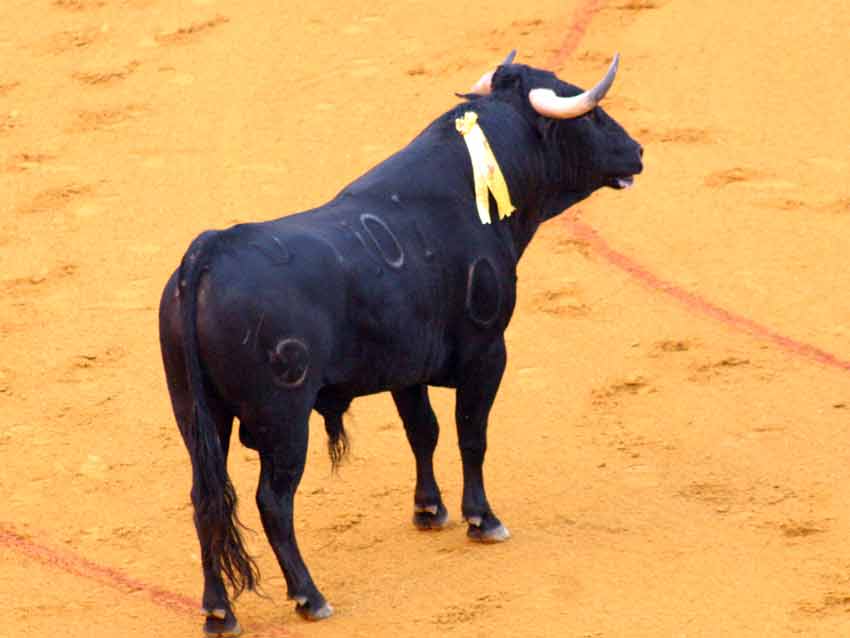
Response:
column 213, row 495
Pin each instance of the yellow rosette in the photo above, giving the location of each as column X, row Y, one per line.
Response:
column 486, row 172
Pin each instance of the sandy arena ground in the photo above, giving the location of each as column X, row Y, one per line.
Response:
column 670, row 446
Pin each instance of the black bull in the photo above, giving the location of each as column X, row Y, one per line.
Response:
column 394, row 285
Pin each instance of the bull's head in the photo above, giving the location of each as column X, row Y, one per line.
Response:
column 588, row 148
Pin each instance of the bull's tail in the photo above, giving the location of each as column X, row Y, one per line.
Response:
column 338, row 444
column 213, row 495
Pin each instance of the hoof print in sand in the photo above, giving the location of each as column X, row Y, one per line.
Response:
column 9, row 122
column 675, row 136
column 79, row 5
column 23, row 162
column 87, row 121
column 67, row 41
column 839, row 207
column 185, row 35
column 637, row 5
column 732, row 176
column 707, row 371
column 673, row 345
column 56, row 198
column 106, row 78
column 612, row 394
column 802, row 529
column 563, row 302
column 8, row 87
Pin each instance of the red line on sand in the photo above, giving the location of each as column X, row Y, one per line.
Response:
column 85, row 568
column 586, row 233
column 582, row 17
column 111, row 577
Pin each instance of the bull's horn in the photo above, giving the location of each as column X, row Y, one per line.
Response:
column 548, row 104
column 482, row 87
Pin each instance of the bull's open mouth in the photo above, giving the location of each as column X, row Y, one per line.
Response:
column 622, row 182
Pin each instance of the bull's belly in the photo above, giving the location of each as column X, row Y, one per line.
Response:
column 369, row 368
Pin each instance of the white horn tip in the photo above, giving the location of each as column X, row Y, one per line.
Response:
column 482, row 87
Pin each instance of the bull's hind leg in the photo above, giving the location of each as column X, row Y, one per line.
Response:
column 422, row 431
column 475, row 396
column 283, row 452
column 215, row 603
column 220, row 619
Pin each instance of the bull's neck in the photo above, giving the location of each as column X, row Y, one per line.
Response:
column 517, row 151
column 535, row 187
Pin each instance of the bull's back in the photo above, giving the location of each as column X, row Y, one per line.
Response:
column 356, row 295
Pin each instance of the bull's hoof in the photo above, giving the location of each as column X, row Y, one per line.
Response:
column 221, row 623
column 496, row 535
column 310, row 611
column 430, row 517
column 486, row 529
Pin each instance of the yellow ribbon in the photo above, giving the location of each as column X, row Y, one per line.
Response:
column 485, row 169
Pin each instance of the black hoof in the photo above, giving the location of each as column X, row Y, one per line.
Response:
column 431, row 517
column 318, row 610
column 486, row 529
column 217, row 626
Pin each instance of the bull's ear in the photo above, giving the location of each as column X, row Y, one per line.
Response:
column 484, row 84
column 471, row 97
column 507, row 78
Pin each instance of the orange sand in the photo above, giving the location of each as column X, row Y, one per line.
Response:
column 662, row 474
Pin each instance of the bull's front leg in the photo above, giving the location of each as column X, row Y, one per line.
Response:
column 422, row 431
column 475, row 396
